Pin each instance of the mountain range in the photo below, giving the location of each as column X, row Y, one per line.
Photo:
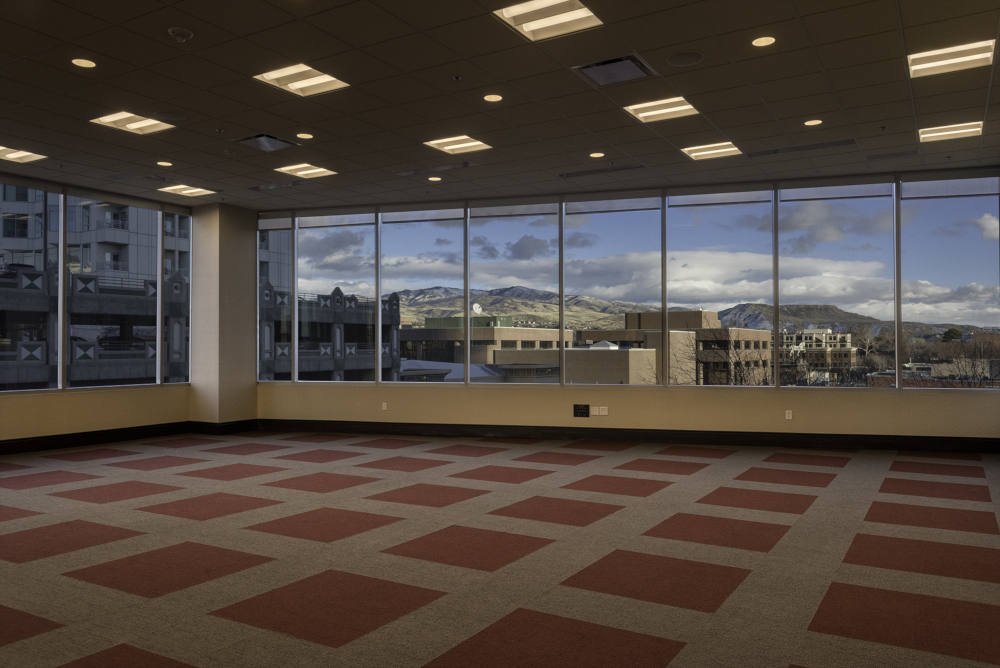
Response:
column 540, row 308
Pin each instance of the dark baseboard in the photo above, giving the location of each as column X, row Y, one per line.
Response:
column 667, row 437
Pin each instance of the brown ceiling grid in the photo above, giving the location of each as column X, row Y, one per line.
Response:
column 419, row 70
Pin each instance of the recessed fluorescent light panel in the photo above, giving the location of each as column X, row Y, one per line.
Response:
column 542, row 19
column 952, row 132
column 661, row 110
column 130, row 122
column 455, row 145
column 187, row 191
column 306, row 171
column 301, row 80
column 15, row 155
column 709, row 151
column 952, row 59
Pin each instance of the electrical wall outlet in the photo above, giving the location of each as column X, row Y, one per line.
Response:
column 604, row 410
column 384, row 407
column 594, row 411
column 581, row 410
column 788, row 415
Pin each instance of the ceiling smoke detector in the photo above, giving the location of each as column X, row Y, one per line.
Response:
column 180, row 34
column 614, row 71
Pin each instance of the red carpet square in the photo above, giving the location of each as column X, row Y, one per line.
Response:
column 467, row 450
column 16, row 625
column 247, row 448
column 230, row 472
column 157, row 463
column 8, row 513
column 512, row 440
column 118, row 491
column 721, row 531
column 528, row 638
column 784, row 477
column 91, row 455
column 961, row 456
column 260, row 433
column 929, row 623
column 323, row 482
column 435, row 496
column 388, row 443
column 936, row 490
column 41, row 542
column 923, row 556
column 6, row 467
column 168, row 569
column 603, row 446
column 125, row 656
column 609, row 484
column 470, row 548
column 952, row 519
column 405, row 464
column 695, row 451
column 325, row 525
column 561, row 458
column 510, row 474
column 320, row 456
column 331, row 608
column 752, row 499
column 184, row 442
column 209, row 506
column 318, row 438
column 669, row 466
column 558, row 511
column 676, row 582
column 938, row 469
column 33, row 480
column 808, row 460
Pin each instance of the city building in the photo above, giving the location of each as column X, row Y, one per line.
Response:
column 818, row 356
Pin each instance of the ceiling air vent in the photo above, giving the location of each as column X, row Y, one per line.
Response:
column 614, row 71
column 266, row 143
column 805, row 147
column 601, row 170
column 434, row 170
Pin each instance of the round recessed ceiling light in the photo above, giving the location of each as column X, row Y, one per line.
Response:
column 165, row 164
column 815, row 122
column 763, row 41
column 596, row 155
column 433, row 178
column 304, row 135
column 83, row 62
column 492, row 98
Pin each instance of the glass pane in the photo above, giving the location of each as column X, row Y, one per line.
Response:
column 514, row 287
column 336, row 293
column 836, row 277
column 274, row 306
column 951, row 292
column 176, row 298
column 423, row 269
column 719, row 291
column 29, row 263
column 112, row 297
column 613, row 297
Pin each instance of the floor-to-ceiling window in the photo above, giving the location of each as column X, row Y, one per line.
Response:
column 275, row 292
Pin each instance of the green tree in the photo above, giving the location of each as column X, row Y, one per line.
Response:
column 951, row 335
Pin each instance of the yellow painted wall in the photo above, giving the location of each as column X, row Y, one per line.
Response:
column 923, row 412
column 52, row 412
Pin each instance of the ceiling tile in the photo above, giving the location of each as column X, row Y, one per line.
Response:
column 852, row 21
column 518, row 63
column 241, row 17
column 413, row 52
column 428, row 14
column 849, row 52
column 299, row 41
column 52, row 19
column 477, row 36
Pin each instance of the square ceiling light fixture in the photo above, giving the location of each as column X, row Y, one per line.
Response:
column 456, row 145
column 306, row 171
column 187, row 191
column 951, row 132
column 709, row 151
column 542, row 19
column 661, row 110
column 130, row 122
column 301, row 80
column 14, row 155
column 952, row 59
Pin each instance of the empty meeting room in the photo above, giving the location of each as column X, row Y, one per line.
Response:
column 498, row 334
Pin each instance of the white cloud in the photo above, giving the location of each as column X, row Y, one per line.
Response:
column 989, row 225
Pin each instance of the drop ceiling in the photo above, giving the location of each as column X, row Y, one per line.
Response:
column 418, row 71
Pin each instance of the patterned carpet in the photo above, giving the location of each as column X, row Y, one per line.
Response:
column 278, row 549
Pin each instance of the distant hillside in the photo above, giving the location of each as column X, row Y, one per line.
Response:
column 540, row 308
